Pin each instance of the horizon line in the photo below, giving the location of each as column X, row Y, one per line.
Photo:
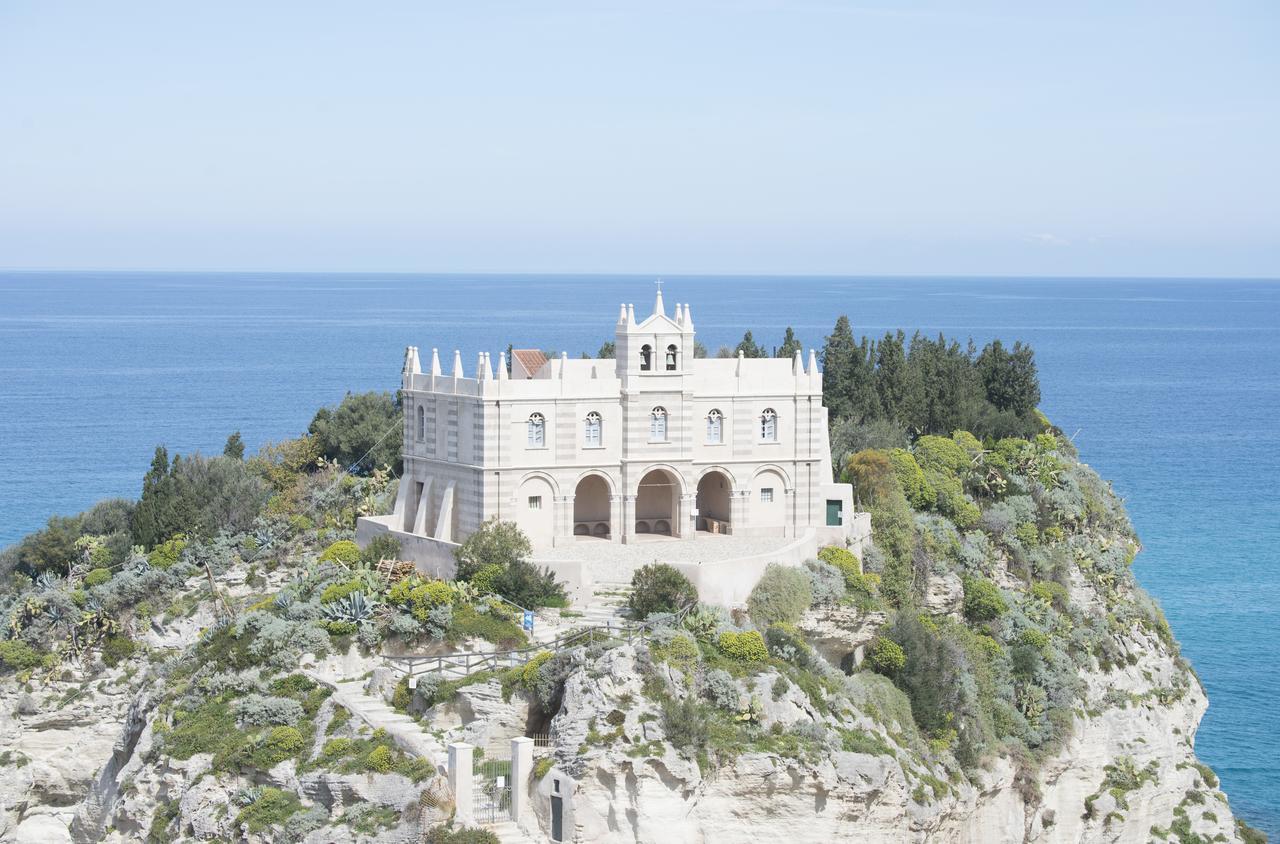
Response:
column 664, row 274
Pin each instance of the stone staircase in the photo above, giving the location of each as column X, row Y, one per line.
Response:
column 378, row 714
column 607, row 606
column 509, row 833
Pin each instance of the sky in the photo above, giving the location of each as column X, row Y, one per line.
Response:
column 792, row 136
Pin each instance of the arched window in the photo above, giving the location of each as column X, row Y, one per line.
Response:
column 658, row 425
column 537, row 431
column 591, row 433
column 715, row 427
column 769, row 426
column 422, row 423
column 671, row 358
column 646, row 357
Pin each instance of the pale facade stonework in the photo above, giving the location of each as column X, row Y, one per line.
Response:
column 653, row 443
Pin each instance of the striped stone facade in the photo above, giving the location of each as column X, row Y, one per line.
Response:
column 658, row 464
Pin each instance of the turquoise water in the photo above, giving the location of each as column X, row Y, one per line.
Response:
column 1172, row 389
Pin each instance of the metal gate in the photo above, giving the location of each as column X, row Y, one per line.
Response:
column 491, row 794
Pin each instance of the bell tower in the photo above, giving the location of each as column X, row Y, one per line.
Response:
column 659, row 347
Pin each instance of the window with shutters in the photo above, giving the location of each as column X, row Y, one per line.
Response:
column 658, row 425
column 715, row 427
column 537, row 431
column 769, row 426
column 591, row 431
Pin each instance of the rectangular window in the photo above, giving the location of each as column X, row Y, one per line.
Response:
column 535, row 502
column 766, row 495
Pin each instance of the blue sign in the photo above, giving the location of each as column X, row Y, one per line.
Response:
column 528, row 620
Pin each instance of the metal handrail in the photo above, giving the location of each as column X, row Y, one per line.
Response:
column 469, row 662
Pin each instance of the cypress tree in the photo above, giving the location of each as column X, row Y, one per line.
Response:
column 749, row 348
column 790, row 345
column 234, row 447
column 838, row 353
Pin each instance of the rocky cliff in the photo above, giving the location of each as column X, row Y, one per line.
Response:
column 989, row 672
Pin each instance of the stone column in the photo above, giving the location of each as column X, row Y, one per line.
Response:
column 615, row 518
column 628, row 517
column 563, row 520
column 739, row 509
column 685, row 517
column 521, row 771
column 792, row 523
column 462, row 780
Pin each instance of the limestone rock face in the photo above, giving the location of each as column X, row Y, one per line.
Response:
column 489, row 721
column 839, row 632
column 944, row 595
column 619, row 789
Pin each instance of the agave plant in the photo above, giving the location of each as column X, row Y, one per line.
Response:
column 48, row 580
column 249, row 796
column 353, row 608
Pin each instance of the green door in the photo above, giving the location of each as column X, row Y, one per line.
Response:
column 834, row 512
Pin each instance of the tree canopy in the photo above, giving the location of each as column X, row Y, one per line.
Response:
column 359, row 433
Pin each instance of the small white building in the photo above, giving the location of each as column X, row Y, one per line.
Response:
column 652, row 444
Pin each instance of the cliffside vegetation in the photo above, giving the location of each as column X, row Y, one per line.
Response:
column 975, row 628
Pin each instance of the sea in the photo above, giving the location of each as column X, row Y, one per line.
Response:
column 1169, row 387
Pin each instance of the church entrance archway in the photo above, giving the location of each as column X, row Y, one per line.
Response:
column 591, row 509
column 658, row 504
column 713, row 502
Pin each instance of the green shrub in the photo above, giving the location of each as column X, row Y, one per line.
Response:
column 843, row 559
column 384, row 546
column 894, row 529
column 864, row 589
column 167, row 553
column 485, row 579
column 543, row 767
column 495, row 543
column 97, row 577
column 462, row 835
column 1051, row 593
column 982, row 600
column 747, row 646
column 680, row 651
column 687, row 722
column 341, row 628
column 785, row 642
column 524, row 584
column 1035, row 639
column 467, row 623
column 116, row 649
column 380, row 760
column 912, row 480
column 862, row 741
column 420, row 596
column 354, row 433
column 337, row 591
column 281, row 743
column 782, row 595
column 1028, row 534
column 886, row 656
column 942, row 454
column 954, row 504
column 529, row 671
column 18, row 655
column 343, row 551
column 272, row 808
column 659, row 588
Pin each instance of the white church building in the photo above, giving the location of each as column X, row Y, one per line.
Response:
column 654, row 445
